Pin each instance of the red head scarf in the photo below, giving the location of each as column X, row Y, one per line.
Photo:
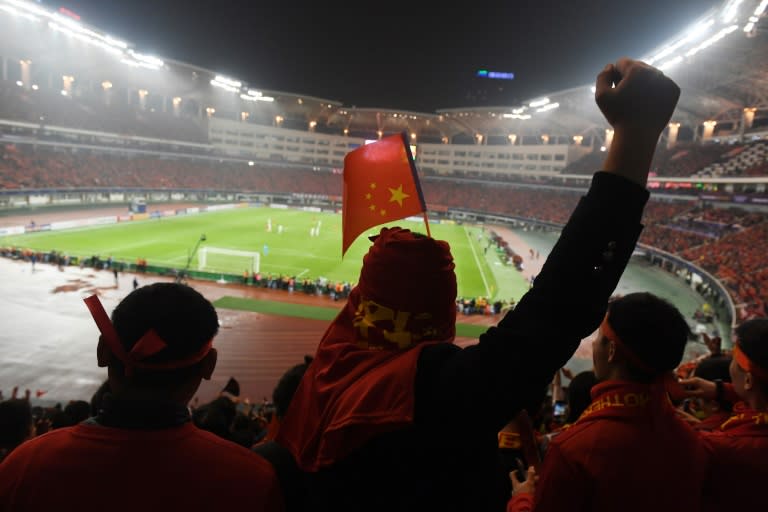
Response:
column 147, row 346
column 360, row 383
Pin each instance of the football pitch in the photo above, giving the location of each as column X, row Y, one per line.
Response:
column 287, row 249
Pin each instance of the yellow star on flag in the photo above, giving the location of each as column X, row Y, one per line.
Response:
column 368, row 195
column 398, row 195
column 372, row 207
column 383, row 212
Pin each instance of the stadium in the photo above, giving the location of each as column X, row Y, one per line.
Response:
column 120, row 168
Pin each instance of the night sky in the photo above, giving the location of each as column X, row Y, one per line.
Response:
column 418, row 56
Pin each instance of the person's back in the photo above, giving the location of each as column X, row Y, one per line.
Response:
column 629, row 450
column 637, row 460
column 390, row 415
column 141, row 451
column 739, row 446
column 94, row 467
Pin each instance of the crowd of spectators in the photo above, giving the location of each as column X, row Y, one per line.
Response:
column 738, row 260
column 675, row 227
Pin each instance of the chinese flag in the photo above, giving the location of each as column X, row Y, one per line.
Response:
column 380, row 185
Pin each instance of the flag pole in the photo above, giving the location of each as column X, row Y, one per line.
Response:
column 426, row 223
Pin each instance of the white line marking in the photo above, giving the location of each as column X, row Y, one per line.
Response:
column 477, row 262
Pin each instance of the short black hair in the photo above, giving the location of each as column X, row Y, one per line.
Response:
column 653, row 329
column 753, row 341
column 713, row 368
column 287, row 386
column 182, row 317
column 579, row 394
column 15, row 422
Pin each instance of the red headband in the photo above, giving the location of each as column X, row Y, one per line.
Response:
column 746, row 363
column 609, row 333
column 148, row 345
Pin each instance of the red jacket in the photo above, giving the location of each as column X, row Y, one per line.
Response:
column 739, row 466
column 627, row 452
column 91, row 467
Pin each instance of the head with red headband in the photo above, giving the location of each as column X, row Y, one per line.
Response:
column 160, row 337
column 641, row 338
column 749, row 367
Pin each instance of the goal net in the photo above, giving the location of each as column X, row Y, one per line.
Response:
column 230, row 261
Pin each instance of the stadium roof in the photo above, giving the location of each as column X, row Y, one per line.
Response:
column 720, row 62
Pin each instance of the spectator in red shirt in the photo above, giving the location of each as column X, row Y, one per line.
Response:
column 142, row 449
column 629, row 441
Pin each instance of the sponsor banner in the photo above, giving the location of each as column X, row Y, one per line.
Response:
column 182, row 211
column 218, row 207
column 242, row 205
column 117, row 197
column 124, row 218
column 12, row 230
column 36, row 200
column 112, row 219
column 140, row 216
column 313, row 209
column 193, row 210
column 279, row 206
column 760, row 200
column 68, row 224
column 155, row 214
column 168, row 213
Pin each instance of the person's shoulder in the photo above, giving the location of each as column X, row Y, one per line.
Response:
column 41, row 445
column 223, row 448
column 576, row 433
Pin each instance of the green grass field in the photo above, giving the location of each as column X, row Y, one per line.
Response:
column 169, row 241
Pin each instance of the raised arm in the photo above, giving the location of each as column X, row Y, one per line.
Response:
column 515, row 360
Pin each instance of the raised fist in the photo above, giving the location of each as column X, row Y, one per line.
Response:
column 635, row 98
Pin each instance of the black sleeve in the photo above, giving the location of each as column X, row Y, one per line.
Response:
column 515, row 360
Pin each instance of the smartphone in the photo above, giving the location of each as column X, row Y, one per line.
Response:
column 559, row 409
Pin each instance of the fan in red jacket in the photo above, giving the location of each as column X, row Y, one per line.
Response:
column 628, row 451
column 142, row 452
column 740, row 445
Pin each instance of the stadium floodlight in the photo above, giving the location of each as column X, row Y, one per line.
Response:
column 519, row 110
column 115, row 42
column 29, row 7
column 256, row 98
column 731, row 11
column 522, row 117
column 15, row 12
column 147, row 61
column 689, row 36
column 671, row 63
column 548, row 107
column 539, row 102
column 221, row 85
column 228, row 81
column 760, row 9
column 712, row 40
column 19, row 83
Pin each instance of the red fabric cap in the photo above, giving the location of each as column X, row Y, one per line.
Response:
column 360, row 383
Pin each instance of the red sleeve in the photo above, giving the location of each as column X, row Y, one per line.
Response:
column 730, row 393
column 562, row 484
column 520, row 502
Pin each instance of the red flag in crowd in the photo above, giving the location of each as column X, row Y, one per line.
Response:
column 380, row 185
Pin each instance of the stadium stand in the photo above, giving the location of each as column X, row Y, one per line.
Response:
column 746, row 160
